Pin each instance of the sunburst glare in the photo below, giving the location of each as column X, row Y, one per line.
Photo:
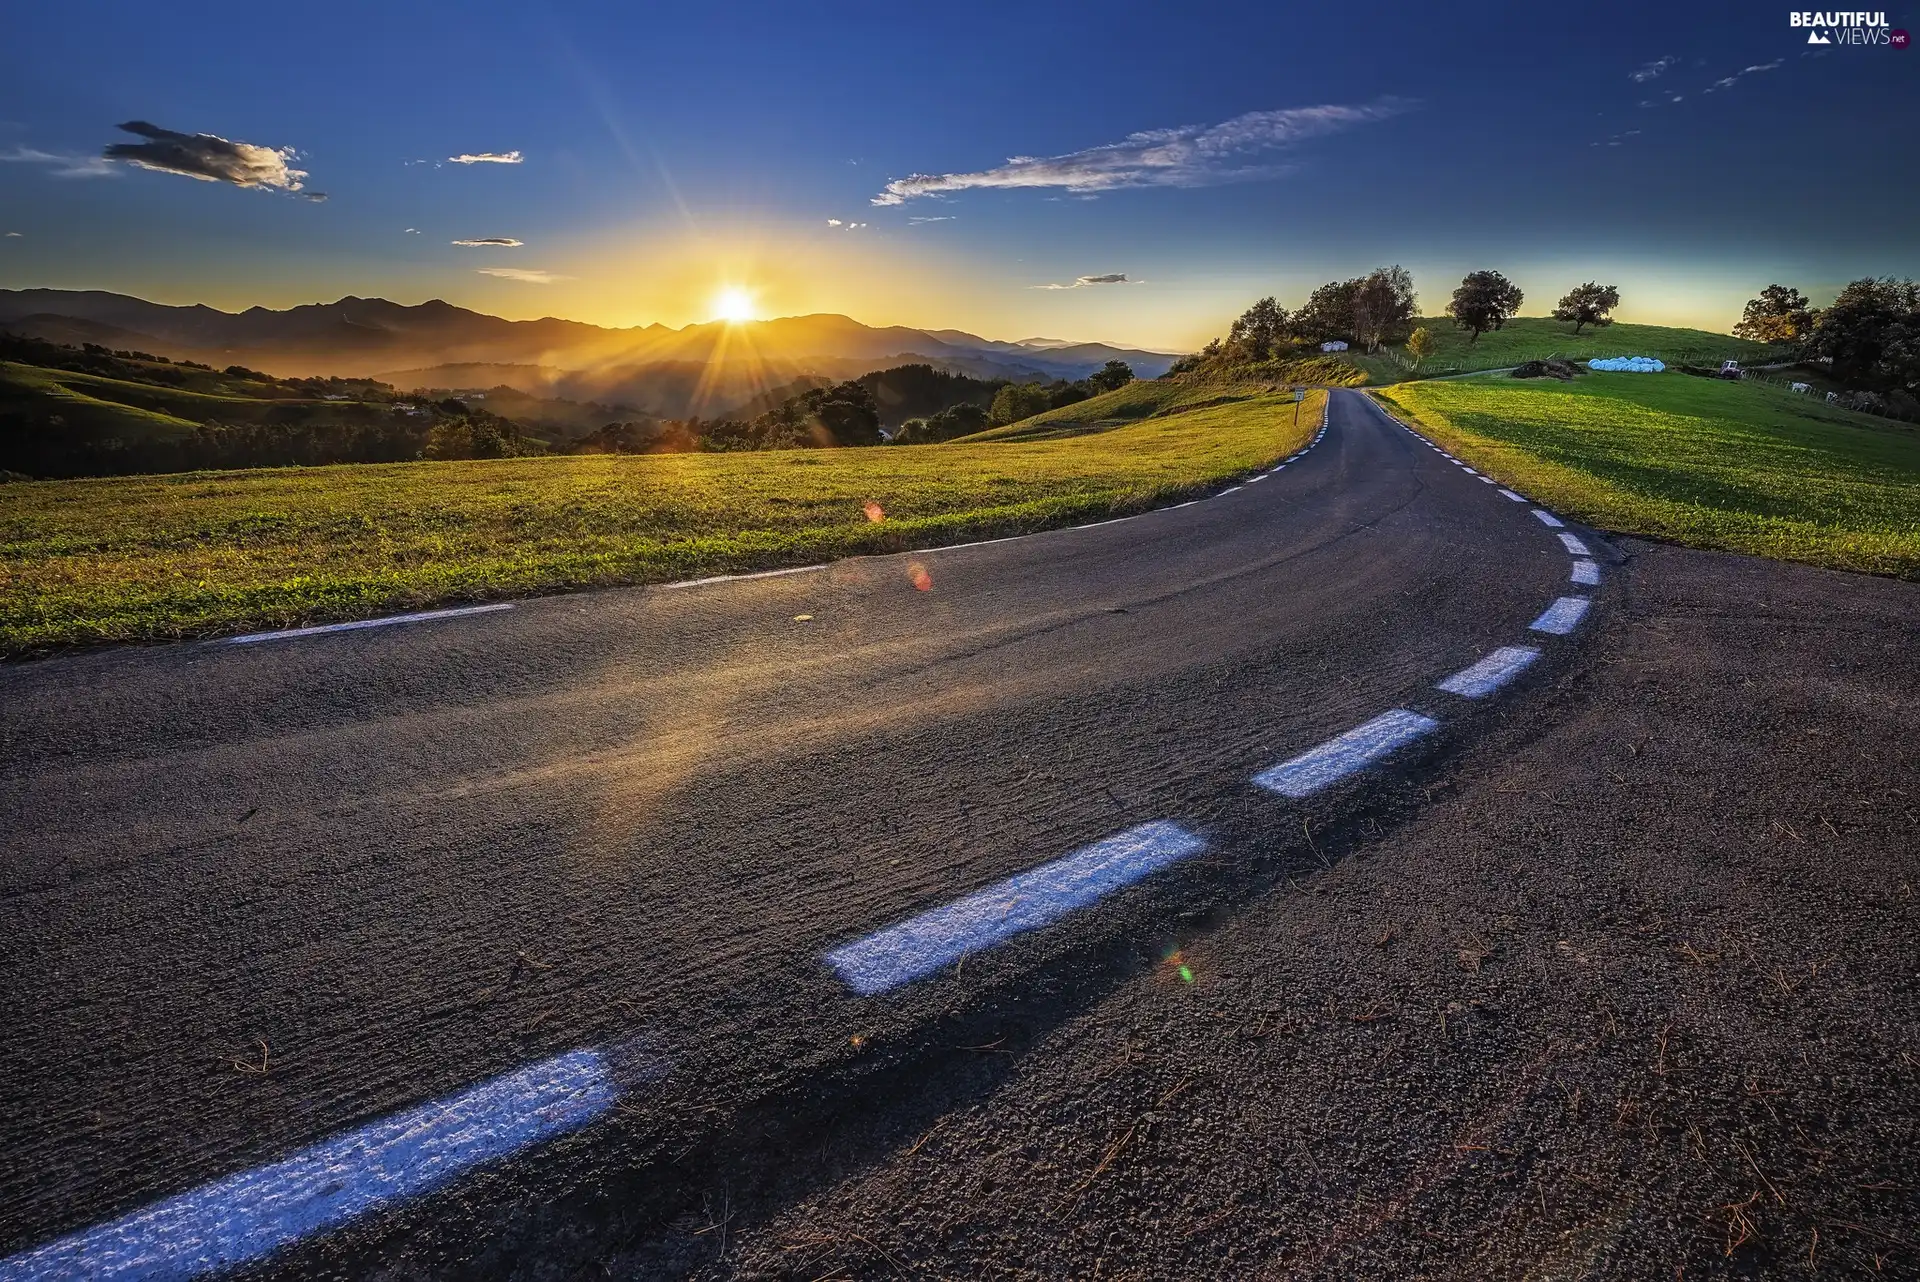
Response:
column 733, row 305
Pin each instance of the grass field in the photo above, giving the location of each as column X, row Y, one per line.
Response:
column 120, row 407
column 1138, row 400
column 1530, row 338
column 1743, row 467
column 200, row 553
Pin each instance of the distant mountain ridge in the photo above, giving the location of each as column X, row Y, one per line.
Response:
column 364, row 337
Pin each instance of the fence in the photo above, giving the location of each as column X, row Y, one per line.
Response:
column 1859, row 403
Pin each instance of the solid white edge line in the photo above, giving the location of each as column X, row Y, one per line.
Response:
column 756, row 574
column 360, row 625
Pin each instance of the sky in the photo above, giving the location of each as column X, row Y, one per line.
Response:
column 1134, row 174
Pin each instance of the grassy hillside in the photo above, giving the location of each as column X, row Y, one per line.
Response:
column 1530, row 338
column 206, row 552
column 178, row 406
column 29, row 390
column 1138, row 400
column 1740, row 466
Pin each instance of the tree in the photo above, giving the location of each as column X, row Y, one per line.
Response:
column 1016, row 401
column 1779, row 315
column 1588, row 304
column 1061, row 393
column 1328, row 313
column 1872, row 334
column 1421, row 344
column 1259, row 330
column 1110, row 377
column 1484, row 301
column 1382, row 306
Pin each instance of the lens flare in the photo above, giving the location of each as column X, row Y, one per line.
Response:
column 1176, row 962
column 918, row 576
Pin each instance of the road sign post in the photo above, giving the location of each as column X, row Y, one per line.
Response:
column 1299, row 394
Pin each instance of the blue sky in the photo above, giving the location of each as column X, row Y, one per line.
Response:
column 670, row 152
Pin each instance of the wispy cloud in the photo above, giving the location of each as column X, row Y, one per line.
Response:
column 843, row 225
column 526, row 275
column 917, row 219
column 12, row 234
column 1652, row 70
column 209, row 158
column 1243, row 149
column 413, row 231
column 491, row 242
column 64, row 165
column 487, row 158
column 1114, row 278
column 1728, row 82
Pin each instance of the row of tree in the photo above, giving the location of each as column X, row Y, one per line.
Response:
column 1871, row 333
column 1380, row 310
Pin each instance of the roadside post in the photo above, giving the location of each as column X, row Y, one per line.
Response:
column 1299, row 394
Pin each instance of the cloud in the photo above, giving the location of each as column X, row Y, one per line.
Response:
column 65, row 166
column 844, row 226
column 315, row 196
column 413, row 231
column 917, row 219
column 1113, row 278
column 526, row 275
column 493, row 242
column 1238, row 150
column 208, row 158
column 487, row 158
column 1728, row 82
column 1653, row 70
column 10, row 235
column 833, row 222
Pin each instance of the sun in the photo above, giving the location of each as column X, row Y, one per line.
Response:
column 733, row 305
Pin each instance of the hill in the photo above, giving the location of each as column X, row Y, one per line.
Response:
column 1530, row 338
column 88, row 411
column 1214, row 384
column 1739, row 466
column 364, row 336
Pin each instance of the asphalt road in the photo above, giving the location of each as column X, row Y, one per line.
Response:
column 255, row 897
column 1628, row 992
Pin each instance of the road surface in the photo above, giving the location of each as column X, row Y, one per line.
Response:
column 611, row 880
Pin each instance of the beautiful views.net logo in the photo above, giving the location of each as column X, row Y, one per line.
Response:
column 1848, row 29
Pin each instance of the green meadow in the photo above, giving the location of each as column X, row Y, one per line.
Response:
column 1744, row 467
column 202, row 553
column 131, row 410
column 1530, row 338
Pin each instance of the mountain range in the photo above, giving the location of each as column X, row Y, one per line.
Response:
column 696, row 369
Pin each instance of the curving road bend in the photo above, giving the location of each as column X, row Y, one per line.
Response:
column 584, row 861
